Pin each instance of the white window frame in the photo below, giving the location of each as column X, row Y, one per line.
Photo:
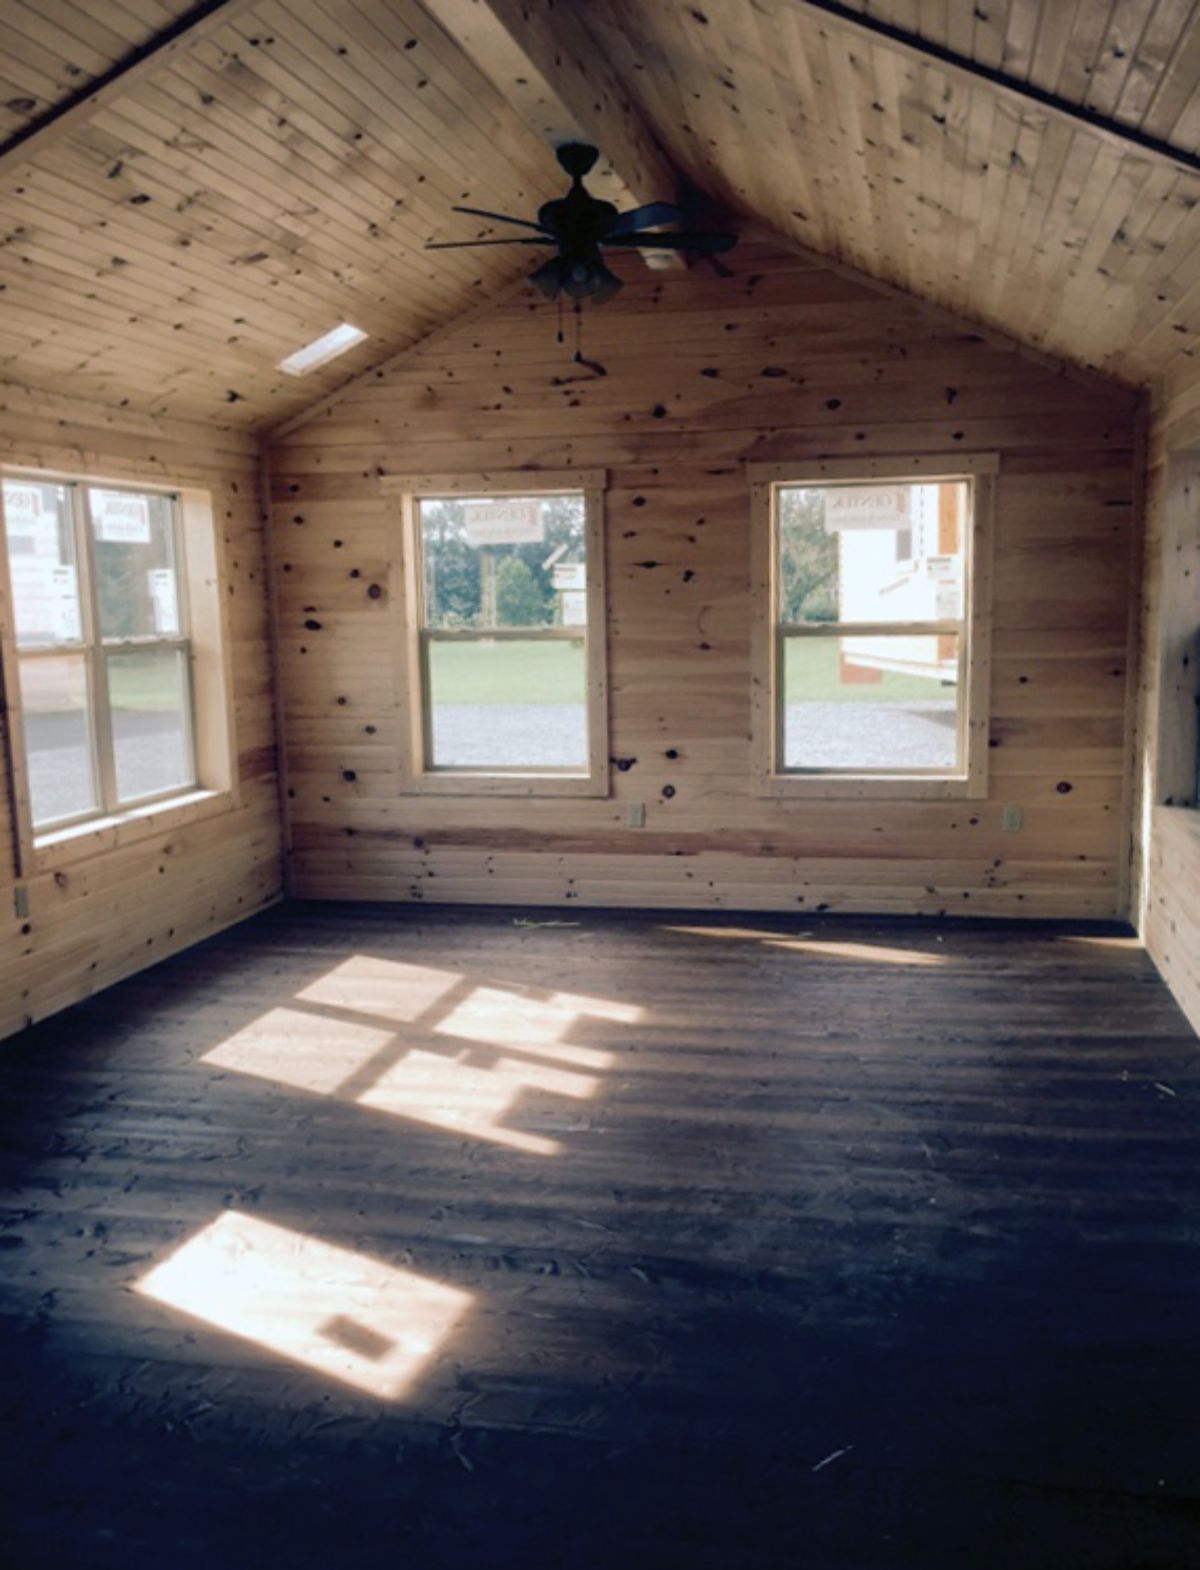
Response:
column 418, row 774
column 205, row 637
column 96, row 650
column 978, row 471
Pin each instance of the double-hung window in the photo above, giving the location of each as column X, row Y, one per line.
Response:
column 101, row 648
column 871, row 627
column 503, row 686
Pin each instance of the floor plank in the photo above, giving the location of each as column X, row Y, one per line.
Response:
column 705, row 1241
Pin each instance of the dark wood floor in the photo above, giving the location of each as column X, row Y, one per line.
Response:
column 840, row 1244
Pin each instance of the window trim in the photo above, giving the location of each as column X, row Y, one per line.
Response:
column 417, row 777
column 979, row 470
column 206, row 633
column 95, row 650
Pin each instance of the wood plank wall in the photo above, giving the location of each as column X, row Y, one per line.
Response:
column 1166, row 830
column 692, row 375
column 115, row 912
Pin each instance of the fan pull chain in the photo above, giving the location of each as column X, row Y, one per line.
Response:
column 562, row 337
column 578, row 332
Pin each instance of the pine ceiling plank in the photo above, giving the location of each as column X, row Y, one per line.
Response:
column 66, row 115
column 193, row 226
column 1158, row 43
column 1030, row 239
column 53, row 212
column 1027, row 149
column 1084, row 197
column 960, row 29
column 1055, row 29
column 884, row 164
column 217, row 154
column 1020, row 39
column 845, row 75
column 357, row 111
column 729, row 43
column 799, row 196
column 431, row 99
column 920, row 137
column 1175, row 87
column 1087, row 40
column 268, row 120
column 981, row 113
column 991, row 25
column 1117, row 54
column 1186, row 131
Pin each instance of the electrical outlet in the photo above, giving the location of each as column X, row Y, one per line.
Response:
column 1011, row 821
column 637, row 814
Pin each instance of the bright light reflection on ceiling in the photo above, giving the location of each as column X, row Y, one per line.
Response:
column 309, row 1051
column 877, row 953
column 347, row 1316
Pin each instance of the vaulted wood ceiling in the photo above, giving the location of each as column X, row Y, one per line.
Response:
column 997, row 207
column 280, row 167
column 277, row 175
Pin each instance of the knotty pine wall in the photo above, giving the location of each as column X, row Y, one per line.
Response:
column 692, row 375
column 1167, row 832
column 117, row 911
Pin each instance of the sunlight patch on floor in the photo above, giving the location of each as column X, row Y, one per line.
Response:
column 293, row 1047
column 538, row 1026
column 385, row 988
column 362, row 1022
column 821, row 948
column 353, row 1318
column 451, row 1094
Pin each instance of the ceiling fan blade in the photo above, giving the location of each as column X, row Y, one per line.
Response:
column 646, row 217
column 502, row 218
column 462, row 245
column 675, row 242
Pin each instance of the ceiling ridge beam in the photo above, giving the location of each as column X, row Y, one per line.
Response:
column 912, row 44
column 543, row 60
column 66, row 116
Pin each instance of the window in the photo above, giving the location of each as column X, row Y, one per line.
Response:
column 101, row 650
column 871, row 663
column 504, row 669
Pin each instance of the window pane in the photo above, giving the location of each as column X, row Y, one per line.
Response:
column 58, row 742
column 136, row 587
column 504, row 561
column 41, row 560
column 508, row 705
column 885, row 552
column 887, row 702
column 147, row 696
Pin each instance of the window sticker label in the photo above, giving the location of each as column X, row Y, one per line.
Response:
column 503, row 522
column 120, row 518
column 164, row 601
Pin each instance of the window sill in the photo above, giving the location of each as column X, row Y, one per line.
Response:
column 60, row 848
column 450, row 783
column 873, row 787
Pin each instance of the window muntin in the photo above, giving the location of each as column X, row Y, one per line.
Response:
column 870, row 625
column 102, row 646
column 503, row 632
